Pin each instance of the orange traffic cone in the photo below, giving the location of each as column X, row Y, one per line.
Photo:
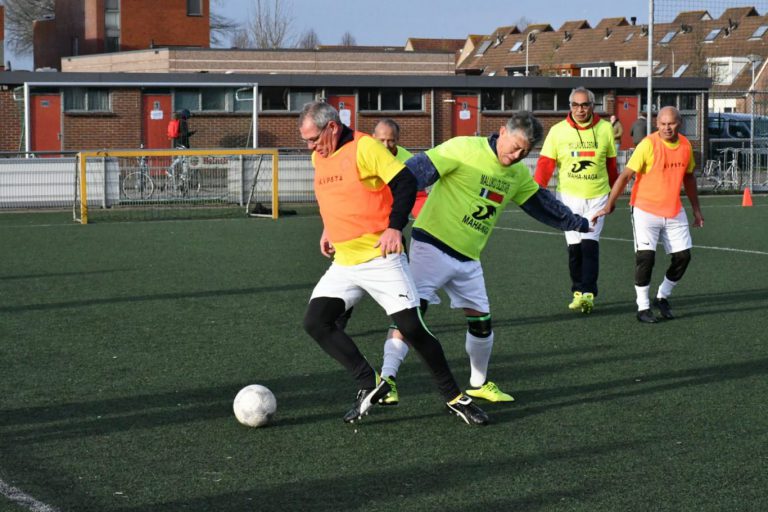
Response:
column 747, row 199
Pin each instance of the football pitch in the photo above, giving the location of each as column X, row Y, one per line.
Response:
column 122, row 346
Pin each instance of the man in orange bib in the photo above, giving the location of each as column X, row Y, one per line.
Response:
column 365, row 195
column 661, row 163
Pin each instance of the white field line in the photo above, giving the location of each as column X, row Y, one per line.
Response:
column 24, row 500
column 556, row 233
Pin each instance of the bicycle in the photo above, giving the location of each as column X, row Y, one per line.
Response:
column 722, row 178
column 138, row 185
column 181, row 179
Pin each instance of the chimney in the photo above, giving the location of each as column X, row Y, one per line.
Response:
column 633, row 19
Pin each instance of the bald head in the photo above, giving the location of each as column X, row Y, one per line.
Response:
column 669, row 122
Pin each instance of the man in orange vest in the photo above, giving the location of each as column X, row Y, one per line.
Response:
column 661, row 163
column 365, row 195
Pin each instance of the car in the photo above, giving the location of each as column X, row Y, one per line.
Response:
column 730, row 132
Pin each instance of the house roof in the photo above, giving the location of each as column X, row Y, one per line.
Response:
column 613, row 40
column 434, row 45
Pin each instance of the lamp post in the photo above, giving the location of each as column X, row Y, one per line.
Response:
column 753, row 59
column 531, row 37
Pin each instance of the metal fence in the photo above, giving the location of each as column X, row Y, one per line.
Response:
column 37, row 183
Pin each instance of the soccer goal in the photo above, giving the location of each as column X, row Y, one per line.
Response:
column 172, row 184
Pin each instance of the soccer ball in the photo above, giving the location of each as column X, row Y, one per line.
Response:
column 254, row 405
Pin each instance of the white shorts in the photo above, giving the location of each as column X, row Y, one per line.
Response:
column 648, row 228
column 462, row 280
column 387, row 280
column 587, row 208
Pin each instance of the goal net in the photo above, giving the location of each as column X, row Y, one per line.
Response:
column 175, row 184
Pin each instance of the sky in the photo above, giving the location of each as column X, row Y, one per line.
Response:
column 392, row 22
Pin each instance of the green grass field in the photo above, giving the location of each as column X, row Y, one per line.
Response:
column 123, row 345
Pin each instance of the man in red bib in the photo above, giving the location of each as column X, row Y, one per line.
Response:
column 661, row 163
column 365, row 195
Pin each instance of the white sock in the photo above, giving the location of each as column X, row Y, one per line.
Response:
column 395, row 351
column 643, row 302
column 665, row 290
column 479, row 351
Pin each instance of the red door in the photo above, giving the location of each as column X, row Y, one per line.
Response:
column 626, row 112
column 45, row 121
column 155, row 114
column 346, row 107
column 465, row 118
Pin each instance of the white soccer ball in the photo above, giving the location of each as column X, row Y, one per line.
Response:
column 254, row 405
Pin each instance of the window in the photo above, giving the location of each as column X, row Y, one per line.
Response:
column 630, row 71
column 412, row 99
column 491, row 99
column 712, row 35
column 562, row 100
column 660, row 69
column 482, row 48
column 213, row 99
column 111, row 26
column 285, row 99
column 194, row 7
column 679, row 72
column 543, row 100
column 668, row 37
column 500, row 100
column 760, row 32
column 629, row 37
column 80, row 99
column 219, row 99
column 390, row 99
column 687, row 101
column 719, row 72
column 298, row 98
column 516, row 47
column 514, row 99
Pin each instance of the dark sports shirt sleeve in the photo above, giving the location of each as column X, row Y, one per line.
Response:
column 423, row 169
column 544, row 207
column 403, row 187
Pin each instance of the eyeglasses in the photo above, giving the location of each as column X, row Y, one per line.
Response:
column 587, row 104
column 313, row 140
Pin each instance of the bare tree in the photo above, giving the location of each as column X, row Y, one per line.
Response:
column 223, row 29
column 19, row 16
column 348, row 39
column 308, row 40
column 240, row 39
column 522, row 23
column 270, row 24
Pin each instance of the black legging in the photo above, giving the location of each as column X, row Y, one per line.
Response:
column 320, row 323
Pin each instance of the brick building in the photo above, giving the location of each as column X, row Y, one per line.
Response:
column 74, row 111
column 85, row 27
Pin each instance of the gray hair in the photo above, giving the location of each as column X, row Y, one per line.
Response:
column 392, row 124
column 320, row 112
column 674, row 110
column 584, row 90
column 523, row 121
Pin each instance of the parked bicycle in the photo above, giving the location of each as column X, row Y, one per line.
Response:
column 138, row 185
column 725, row 178
column 181, row 179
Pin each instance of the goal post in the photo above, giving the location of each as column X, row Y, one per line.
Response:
column 149, row 184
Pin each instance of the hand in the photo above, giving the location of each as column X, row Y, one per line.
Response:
column 602, row 213
column 391, row 242
column 326, row 247
column 698, row 220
